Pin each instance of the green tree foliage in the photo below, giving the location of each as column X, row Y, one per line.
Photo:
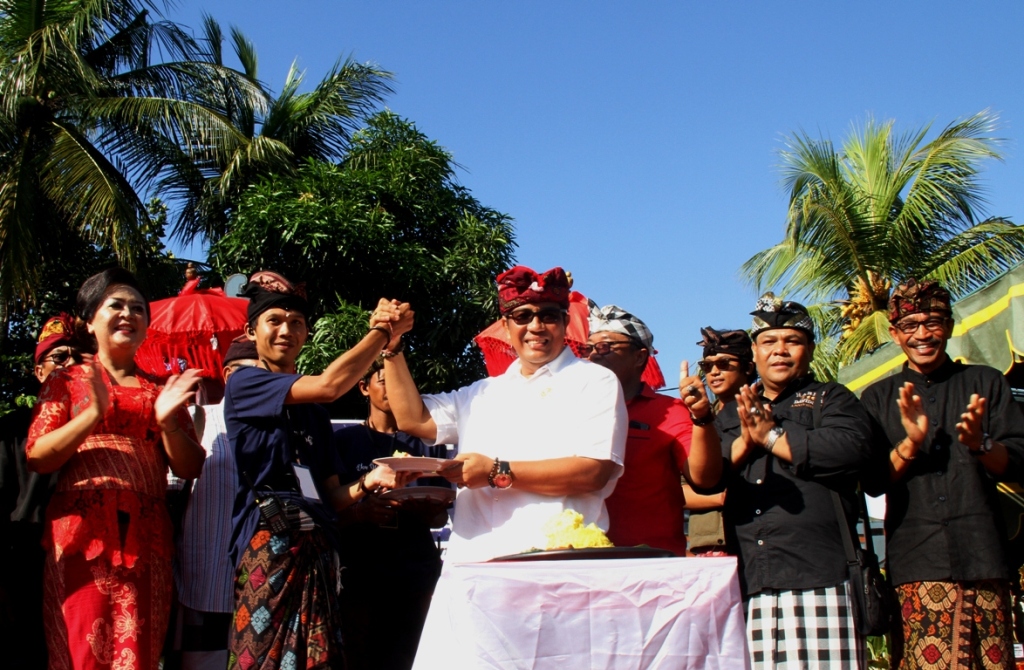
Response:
column 884, row 207
column 76, row 259
column 272, row 134
column 391, row 221
column 84, row 101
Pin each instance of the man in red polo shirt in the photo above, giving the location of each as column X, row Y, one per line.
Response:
column 667, row 437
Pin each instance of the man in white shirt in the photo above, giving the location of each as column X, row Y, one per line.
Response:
column 547, row 435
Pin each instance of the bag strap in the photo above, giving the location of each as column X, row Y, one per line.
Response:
column 844, row 525
column 862, row 508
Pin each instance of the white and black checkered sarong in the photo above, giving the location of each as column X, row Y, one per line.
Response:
column 804, row 629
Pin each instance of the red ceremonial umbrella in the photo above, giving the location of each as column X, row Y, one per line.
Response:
column 192, row 330
column 499, row 354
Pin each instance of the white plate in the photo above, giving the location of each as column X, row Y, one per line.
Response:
column 439, row 493
column 414, row 463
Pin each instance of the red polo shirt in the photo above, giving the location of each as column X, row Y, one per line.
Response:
column 646, row 506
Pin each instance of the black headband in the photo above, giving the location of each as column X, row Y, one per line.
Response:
column 260, row 300
column 734, row 342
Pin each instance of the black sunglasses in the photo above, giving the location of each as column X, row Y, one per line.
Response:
column 58, row 358
column 526, row 316
column 723, row 364
column 603, row 348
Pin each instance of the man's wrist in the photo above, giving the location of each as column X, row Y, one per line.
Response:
column 899, row 453
column 706, row 420
column 984, row 449
column 773, row 437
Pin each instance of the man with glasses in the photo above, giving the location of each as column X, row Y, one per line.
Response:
column 791, row 441
column 547, row 435
column 950, row 432
column 23, row 498
column 667, row 437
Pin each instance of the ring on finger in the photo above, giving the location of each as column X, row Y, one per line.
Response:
column 691, row 389
column 755, row 412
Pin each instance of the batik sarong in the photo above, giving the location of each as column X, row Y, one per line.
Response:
column 954, row 626
column 286, row 606
column 806, row 629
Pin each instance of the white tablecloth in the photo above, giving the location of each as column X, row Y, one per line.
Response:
column 668, row 613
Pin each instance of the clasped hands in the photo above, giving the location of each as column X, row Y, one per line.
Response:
column 394, row 316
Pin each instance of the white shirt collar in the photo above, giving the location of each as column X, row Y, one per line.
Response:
column 552, row 367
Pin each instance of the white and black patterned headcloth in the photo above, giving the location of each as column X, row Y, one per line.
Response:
column 614, row 319
column 771, row 313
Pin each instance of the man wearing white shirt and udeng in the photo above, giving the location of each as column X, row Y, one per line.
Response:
column 547, row 435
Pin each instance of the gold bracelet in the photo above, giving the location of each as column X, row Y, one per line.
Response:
column 900, row 455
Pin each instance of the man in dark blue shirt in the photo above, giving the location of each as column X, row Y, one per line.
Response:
column 286, row 612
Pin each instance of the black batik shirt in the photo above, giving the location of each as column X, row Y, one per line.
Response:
column 780, row 518
column 943, row 520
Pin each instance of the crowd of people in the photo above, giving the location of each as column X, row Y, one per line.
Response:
column 279, row 544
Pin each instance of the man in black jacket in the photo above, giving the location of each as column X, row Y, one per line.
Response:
column 779, row 509
column 951, row 431
column 23, row 499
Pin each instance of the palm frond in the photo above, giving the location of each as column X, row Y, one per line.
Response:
column 90, row 191
column 18, row 206
column 871, row 333
column 976, row 256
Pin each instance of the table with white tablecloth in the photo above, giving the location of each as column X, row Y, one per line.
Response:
column 586, row 614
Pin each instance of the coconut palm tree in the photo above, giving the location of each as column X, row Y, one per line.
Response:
column 85, row 87
column 885, row 207
column 275, row 136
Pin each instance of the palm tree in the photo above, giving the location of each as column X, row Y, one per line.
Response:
column 885, row 207
column 82, row 100
column 272, row 135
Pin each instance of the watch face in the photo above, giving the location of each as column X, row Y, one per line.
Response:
column 502, row 480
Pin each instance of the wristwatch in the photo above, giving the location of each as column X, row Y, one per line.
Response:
column 773, row 436
column 501, row 476
column 985, row 448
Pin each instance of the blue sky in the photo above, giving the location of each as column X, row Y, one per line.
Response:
column 635, row 144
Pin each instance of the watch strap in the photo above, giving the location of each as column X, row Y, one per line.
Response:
column 494, row 472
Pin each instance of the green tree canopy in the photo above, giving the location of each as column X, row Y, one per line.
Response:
column 74, row 260
column 272, row 134
column 84, row 98
column 391, row 221
column 884, row 207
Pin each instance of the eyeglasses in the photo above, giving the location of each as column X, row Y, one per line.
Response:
column 603, row 348
column 525, row 317
column 933, row 325
column 58, row 358
column 723, row 364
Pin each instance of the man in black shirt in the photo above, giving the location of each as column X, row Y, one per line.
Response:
column 951, row 431
column 23, row 499
column 391, row 563
column 779, row 509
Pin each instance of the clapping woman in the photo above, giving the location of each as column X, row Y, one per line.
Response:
column 111, row 431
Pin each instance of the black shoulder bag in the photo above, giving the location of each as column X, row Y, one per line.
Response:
column 872, row 597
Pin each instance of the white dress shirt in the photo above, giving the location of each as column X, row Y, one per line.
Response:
column 569, row 407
